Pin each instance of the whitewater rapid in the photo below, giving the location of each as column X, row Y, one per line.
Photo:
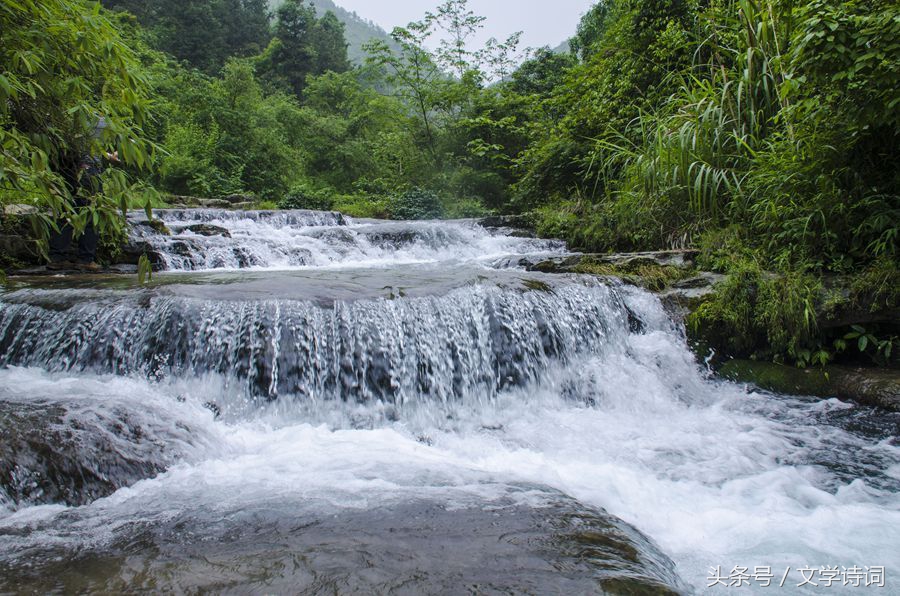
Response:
column 476, row 389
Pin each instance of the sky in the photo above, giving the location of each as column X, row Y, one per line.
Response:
column 543, row 23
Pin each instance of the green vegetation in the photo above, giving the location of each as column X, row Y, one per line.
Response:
column 51, row 100
column 762, row 132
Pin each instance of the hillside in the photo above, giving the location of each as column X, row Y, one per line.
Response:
column 358, row 31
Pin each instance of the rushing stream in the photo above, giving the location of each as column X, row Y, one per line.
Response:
column 305, row 403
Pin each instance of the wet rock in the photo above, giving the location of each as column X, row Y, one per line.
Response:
column 664, row 258
column 187, row 202
column 205, row 229
column 680, row 259
column 520, row 222
column 237, row 199
column 417, row 547
column 556, row 264
column 870, row 386
column 214, row 203
column 154, row 225
column 392, row 238
column 56, row 452
column 685, row 296
column 244, row 206
column 182, row 201
column 17, row 248
column 134, row 249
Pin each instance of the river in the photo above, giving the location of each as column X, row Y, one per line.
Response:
column 309, row 403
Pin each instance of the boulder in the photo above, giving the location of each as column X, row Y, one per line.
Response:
column 684, row 296
column 55, row 453
column 156, row 225
column 871, row 386
column 205, row 229
column 237, row 199
column 626, row 262
column 182, row 201
column 18, row 210
column 214, row 203
column 17, row 249
column 134, row 249
column 520, row 222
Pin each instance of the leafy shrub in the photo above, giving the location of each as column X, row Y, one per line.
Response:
column 465, row 208
column 301, row 197
column 417, row 204
column 362, row 206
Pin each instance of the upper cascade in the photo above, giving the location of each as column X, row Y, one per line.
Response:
column 208, row 239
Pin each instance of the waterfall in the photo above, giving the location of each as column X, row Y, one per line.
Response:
column 292, row 239
column 301, row 401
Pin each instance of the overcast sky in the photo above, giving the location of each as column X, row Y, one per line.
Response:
column 543, row 23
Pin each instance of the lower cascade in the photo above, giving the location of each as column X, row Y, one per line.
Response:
column 301, row 402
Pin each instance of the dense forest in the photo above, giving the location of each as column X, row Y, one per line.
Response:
column 764, row 133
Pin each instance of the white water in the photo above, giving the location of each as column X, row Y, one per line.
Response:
column 714, row 473
column 288, row 240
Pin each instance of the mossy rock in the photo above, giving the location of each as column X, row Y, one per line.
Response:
column 871, row 386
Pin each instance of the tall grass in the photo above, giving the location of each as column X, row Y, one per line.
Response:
column 692, row 158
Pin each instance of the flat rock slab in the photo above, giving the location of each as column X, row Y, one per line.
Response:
column 419, row 547
column 682, row 259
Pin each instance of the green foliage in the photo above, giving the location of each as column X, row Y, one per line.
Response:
column 417, row 204
column 754, row 308
column 641, row 46
column 591, row 29
column 145, row 270
column 464, row 209
column 227, row 135
column 303, row 45
column 302, row 197
column 204, row 33
column 368, row 206
column 64, row 66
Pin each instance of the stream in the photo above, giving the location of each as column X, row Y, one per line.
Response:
column 302, row 402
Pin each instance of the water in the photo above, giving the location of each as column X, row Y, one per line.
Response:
column 294, row 239
column 409, row 417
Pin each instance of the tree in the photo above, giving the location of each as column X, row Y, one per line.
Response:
column 330, row 44
column 591, row 29
column 204, row 33
column 544, row 72
column 460, row 24
column 303, row 46
column 413, row 74
column 64, row 66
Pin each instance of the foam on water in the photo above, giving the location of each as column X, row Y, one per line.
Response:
column 481, row 390
column 716, row 474
column 293, row 239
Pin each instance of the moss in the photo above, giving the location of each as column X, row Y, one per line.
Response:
column 538, row 286
column 362, row 206
column 778, row 378
column 876, row 387
column 652, row 276
column 159, row 227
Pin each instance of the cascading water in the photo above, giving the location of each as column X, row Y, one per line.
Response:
column 213, row 239
column 372, row 406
